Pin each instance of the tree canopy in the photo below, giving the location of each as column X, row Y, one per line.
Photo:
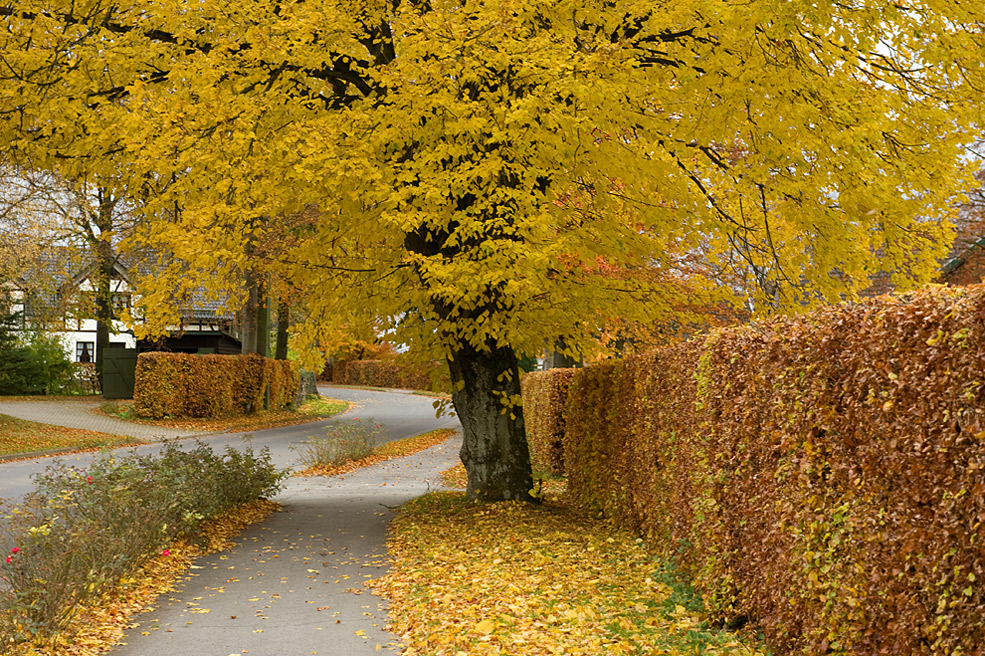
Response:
column 493, row 176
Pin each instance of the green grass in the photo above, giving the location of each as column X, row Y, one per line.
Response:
column 323, row 407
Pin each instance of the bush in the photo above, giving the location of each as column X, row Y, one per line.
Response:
column 56, row 373
column 249, row 386
column 822, row 475
column 184, row 385
column 344, row 440
column 545, row 394
column 34, row 363
column 389, row 373
column 81, row 531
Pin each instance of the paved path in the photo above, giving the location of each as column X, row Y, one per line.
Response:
column 295, row 583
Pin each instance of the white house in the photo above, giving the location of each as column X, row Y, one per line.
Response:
column 64, row 300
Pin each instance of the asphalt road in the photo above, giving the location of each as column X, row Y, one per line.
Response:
column 296, row 583
column 403, row 413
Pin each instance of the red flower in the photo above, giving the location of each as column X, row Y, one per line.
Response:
column 9, row 559
column 166, row 552
column 90, row 480
column 15, row 550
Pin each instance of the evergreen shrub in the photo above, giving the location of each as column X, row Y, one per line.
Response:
column 33, row 362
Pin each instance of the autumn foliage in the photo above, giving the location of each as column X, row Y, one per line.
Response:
column 184, row 385
column 823, row 475
column 537, row 580
column 544, row 396
column 478, row 178
column 390, row 374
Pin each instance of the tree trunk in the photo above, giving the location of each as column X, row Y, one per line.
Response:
column 263, row 321
column 103, row 283
column 251, row 314
column 283, row 319
column 557, row 359
column 104, row 313
column 494, row 449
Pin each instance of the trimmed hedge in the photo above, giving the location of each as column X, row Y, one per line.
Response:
column 185, row 385
column 544, row 396
column 388, row 373
column 823, row 475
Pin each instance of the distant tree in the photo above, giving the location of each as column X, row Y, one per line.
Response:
column 970, row 221
column 67, row 227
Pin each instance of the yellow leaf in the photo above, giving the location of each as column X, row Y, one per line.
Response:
column 486, row 626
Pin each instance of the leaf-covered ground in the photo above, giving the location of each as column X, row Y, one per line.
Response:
column 544, row 483
column 517, row 578
column 101, row 626
column 313, row 410
column 388, row 451
column 18, row 436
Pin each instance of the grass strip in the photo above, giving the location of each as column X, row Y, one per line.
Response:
column 19, row 436
column 535, row 579
column 313, row 410
column 388, row 451
column 101, row 625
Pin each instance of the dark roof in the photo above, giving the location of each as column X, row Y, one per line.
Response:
column 204, row 308
column 959, row 260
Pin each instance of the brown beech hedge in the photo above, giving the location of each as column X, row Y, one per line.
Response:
column 544, row 396
column 185, row 385
column 391, row 374
column 821, row 475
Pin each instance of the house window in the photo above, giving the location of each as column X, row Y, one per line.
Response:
column 85, row 351
column 121, row 301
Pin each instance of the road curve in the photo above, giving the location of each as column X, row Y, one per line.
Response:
column 403, row 413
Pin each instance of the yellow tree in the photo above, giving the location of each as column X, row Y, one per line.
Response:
column 439, row 140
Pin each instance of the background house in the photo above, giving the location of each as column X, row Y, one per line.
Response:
column 206, row 327
column 56, row 297
column 967, row 266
